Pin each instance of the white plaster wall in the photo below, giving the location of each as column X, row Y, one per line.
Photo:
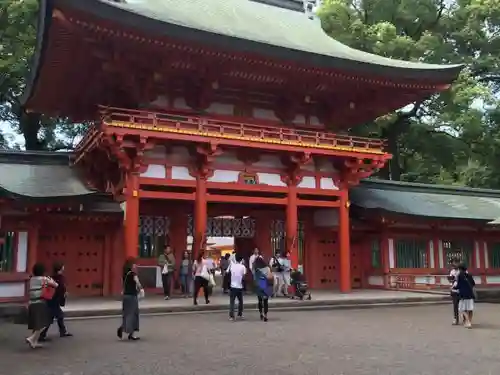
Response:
column 486, row 257
column 228, row 158
column 310, row 167
column 158, row 152
column 326, row 217
column 269, row 161
column 179, row 154
column 425, row 280
column 431, row 253
column 313, row 120
column 221, row 109
column 9, row 290
column 224, row 176
column 307, row 182
column 299, row 119
column 271, row 179
column 160, row 102
column 376, row 280
column 477, row 279
column 22, row 251
column 264, row 114
column 477, row 253
column 441, row 254
column 181, row 173
column 180, row 103
column 327, row 183
column 492, row 279
column 324, row 165
column 392, row 262
column 155, row 171
column 159, row 282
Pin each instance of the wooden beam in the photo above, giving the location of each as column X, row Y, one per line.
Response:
column 167, row 182
column 315, row 203
column 166, row 195
column 244, row 199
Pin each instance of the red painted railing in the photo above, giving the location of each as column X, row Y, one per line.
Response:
column 211, row 127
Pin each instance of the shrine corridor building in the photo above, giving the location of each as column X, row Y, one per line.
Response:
column 225, row 118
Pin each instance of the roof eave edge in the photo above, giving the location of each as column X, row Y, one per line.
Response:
column 44, row 21
column 440, row 75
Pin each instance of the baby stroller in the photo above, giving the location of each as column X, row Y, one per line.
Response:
column 299, row 285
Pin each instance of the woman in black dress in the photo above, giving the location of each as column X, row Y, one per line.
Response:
column 130, row 302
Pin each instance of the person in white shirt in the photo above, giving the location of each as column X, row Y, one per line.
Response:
column 452, row 278
column 232, row 258
column 255, row 255
column 201, row 274
column 237, row 272
column 277, row 275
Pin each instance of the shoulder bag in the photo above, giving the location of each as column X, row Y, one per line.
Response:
column 48, row 291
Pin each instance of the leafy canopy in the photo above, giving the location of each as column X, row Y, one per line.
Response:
column 443, row 139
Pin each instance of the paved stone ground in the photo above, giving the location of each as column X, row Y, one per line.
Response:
column 406, row 341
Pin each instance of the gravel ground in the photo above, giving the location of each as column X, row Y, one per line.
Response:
column 406, row 341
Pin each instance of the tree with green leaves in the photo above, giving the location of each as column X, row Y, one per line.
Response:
column 436, row 140
column 18, row 20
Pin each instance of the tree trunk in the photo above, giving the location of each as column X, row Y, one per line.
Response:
column 394, row 165
column 30, row 125
column 392, row 169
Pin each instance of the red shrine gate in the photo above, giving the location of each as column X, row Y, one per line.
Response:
column 203, row 118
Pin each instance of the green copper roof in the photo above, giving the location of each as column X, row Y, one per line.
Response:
column 446, row 202
column 253, row 27
column 39, row 175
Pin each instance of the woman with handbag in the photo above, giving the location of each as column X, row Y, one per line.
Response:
column 41, row 289
column 263, row 280
column 132, row 290
column 201, row 273
column 57, row 302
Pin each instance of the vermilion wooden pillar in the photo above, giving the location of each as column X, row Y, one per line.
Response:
column 291, row 225
column 384, row 247
column 33, row 234
column 132, row 216
column 200, row 216
column 262, row 235
column 344, row 243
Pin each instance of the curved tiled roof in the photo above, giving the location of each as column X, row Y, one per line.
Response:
column 39, row 175
column 247, row 26
column 446, row 202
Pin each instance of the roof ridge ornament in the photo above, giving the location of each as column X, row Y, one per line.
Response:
column 311, row 8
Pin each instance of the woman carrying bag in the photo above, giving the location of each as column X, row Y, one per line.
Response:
column 41, row 289
column 201, row 273
column 263, row 280
column 132, row 291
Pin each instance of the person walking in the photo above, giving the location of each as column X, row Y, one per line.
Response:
column 201, row 273
column 452, row 278
column 57, row 301
column 277, row 270
column 224, row 267
column 237, row 273
column 132, row 289
column 39, row 291
column 185, row 272
column 166, row 261
column 255, row 255
column 263, row 280
column 465, row 285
